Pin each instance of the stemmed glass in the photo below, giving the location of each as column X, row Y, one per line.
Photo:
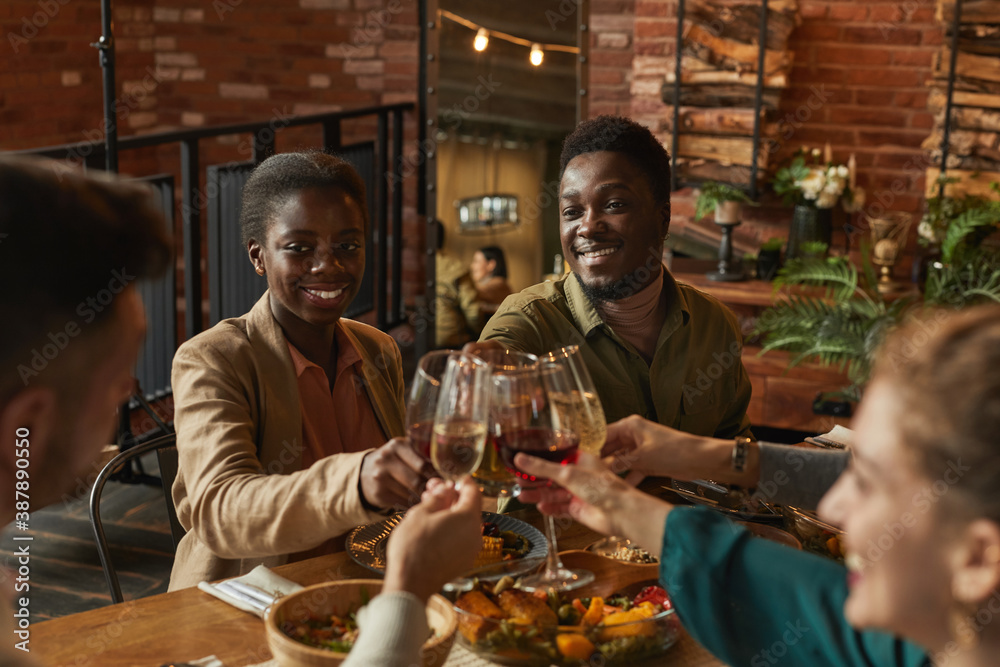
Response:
column 461, row 417
column 572, row 392
column 543, row 412
column 423, row 400
column 493, row 477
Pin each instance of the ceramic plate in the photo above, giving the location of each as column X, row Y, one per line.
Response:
column 366, row 544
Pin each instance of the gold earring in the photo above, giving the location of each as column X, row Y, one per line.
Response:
column 260, row 270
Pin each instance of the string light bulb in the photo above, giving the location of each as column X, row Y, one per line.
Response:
column 482, row 39
column 537, row 55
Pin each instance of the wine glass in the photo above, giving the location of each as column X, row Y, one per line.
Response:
column 493, row 477
column 526, row 420
column 574, row 396
column 423, row 400
column 572, row 393
column 461, row 417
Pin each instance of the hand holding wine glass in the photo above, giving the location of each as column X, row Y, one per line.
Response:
column 545, row 414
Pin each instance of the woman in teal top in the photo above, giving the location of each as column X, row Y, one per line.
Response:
column 918, row 503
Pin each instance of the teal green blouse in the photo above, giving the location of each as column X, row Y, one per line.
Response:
column 757, row 603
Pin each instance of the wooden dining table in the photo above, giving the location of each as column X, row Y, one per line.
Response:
column 187, row 625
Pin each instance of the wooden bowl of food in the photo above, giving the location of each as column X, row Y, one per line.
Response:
column 313, row 627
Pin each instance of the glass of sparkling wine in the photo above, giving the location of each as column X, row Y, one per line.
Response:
column 461, row 417
column 574, row 398
column 422, row 402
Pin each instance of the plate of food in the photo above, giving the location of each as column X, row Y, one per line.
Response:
column 815, row 534
column 628, row 625
column 737, row 503
column 505, row 539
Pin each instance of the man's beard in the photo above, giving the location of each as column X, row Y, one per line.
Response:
column 615, row 291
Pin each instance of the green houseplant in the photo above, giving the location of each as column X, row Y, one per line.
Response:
column 713, row 196
column 842, row 328
column 969, row 269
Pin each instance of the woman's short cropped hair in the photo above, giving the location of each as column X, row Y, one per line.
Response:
column 280, row 176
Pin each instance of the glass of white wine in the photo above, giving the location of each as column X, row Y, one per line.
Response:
column 574, row 398
column 461, row 417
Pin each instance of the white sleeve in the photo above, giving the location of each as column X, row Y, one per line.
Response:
column 393, row 628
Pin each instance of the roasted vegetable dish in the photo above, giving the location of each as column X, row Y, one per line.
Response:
column 512, row 626
column 330, row 631
column 500, row 545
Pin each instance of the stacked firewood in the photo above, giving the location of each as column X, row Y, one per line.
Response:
column 719, row 60
column 974, row 136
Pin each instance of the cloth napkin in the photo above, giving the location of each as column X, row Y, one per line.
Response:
column 260, row 578
column 840, row 437
column 208, row 661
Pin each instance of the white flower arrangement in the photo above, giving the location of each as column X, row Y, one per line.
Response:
column 818, row 185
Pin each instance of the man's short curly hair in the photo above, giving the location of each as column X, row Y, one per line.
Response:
column 279, row 177
column 622, row 135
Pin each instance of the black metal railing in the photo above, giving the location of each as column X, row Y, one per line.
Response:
column 233, row 286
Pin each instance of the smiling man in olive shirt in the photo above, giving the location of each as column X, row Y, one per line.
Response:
column 654, row 347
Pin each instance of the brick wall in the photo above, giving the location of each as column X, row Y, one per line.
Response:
column 858, row 82
column 612, row 44
column 190, row 63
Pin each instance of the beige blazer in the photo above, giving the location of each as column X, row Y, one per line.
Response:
column 240, row 491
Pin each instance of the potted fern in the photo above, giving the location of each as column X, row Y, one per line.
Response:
column 969, row 269
column 726, row 200
column 841, row 328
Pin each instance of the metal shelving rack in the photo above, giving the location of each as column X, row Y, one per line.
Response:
column 956, row 26
column 751, row 187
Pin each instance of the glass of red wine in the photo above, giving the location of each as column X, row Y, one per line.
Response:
column 461, row 417
column 526, row 420
column 493, row 475
column 422, row 403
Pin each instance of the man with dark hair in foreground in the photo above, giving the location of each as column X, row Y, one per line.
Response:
column 71, row 249
column 654, row 347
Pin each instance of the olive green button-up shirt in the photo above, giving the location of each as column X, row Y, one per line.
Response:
column 695, row 382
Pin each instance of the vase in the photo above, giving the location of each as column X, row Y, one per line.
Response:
column 728, row 212
column 809, row 224
column 768, row 263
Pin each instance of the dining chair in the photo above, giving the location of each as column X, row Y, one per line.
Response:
column 166, row 452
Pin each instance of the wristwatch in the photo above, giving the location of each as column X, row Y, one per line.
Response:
column 739, row 460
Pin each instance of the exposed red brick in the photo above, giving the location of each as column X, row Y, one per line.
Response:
column 921, row 58
column 881, row 35
column 891, row 78
column 654, row 28
column 854, row 55
column 867, row 116
column 875, row 97
column 816, row 32
column 848, row 11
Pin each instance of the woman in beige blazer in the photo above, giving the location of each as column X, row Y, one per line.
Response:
column 281, row 414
